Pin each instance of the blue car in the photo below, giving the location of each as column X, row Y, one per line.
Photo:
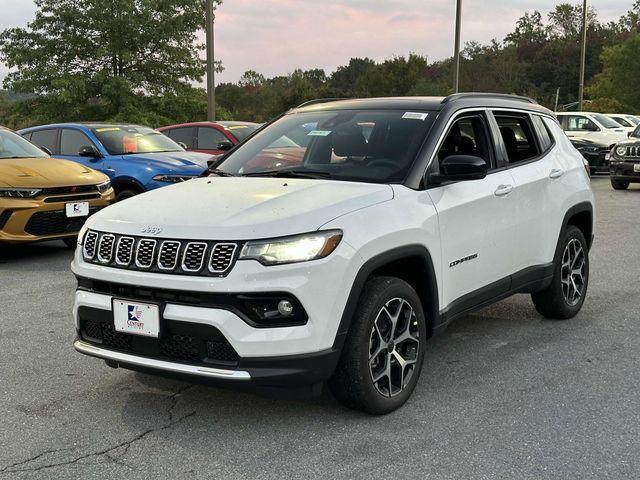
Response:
column 135, row 158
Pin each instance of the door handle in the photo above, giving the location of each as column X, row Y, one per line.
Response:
column 503, row 190
column 556, row 173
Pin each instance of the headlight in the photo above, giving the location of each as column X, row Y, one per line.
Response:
column 104, row 187
column 621, row 151
column 19, row 192
column 173, row 178
column 300, row 248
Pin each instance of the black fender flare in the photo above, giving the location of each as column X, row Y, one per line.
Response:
column 578, row 208
column 432, row 310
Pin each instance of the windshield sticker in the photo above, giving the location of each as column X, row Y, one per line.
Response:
column 236, row 127
column 107, row 129
column 416, row 116
column 319, row 133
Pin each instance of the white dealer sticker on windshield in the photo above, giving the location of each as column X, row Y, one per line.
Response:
column 319, row 133
column 416, row 116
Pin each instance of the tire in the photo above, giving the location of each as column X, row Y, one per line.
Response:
column 71, row 242
column 564, row 298
column 619, row 184
column 353, row 381
column 124, row 194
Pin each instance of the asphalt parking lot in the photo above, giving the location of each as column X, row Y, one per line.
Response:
column 504, row 393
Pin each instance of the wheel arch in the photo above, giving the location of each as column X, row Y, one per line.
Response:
column 581, row 216
column 411, row 263
column 127, row 183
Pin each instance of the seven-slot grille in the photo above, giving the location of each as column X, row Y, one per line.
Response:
column 180, row 257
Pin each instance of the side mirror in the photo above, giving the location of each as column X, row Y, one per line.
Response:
column 456, row 168
column 590, row 127
column 46, row 150
column 89, row 151
column 225, row 146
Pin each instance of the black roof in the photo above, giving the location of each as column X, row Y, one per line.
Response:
column 459, row 100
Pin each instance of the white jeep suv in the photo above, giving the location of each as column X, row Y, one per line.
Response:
column 335, row 241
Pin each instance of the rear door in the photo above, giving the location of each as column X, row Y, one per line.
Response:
column 46, row 138
column 183, row 135
column 476, row 219
column 535, row 170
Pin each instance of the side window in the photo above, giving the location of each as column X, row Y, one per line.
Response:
column 182, row 135
column 546, row 139
column 46, row 138
column 71, row 141
column 209, row 138
column 518, row 136
column 578, row 123
column 467, row 136
column 27, row 136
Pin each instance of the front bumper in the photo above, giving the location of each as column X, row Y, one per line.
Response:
column 39, row 219
column 625, row 171
column 270, row 356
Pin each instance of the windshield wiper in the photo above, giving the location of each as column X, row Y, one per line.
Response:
column 218, row 172
column 290, row 174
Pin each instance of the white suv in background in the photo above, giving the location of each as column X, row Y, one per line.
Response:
column 335, row 257
column 596, row 127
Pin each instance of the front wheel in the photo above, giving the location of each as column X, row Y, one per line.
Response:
column 124, row 194
column 384, row 350
column 619, row 184
column 563, row 299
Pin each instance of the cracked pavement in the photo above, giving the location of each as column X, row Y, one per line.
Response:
column 504, row 393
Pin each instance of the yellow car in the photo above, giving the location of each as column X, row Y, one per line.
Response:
column 42, row 198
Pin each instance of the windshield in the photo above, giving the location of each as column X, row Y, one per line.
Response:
column 240, row 132
column 605, row 121
column 356, row 145
column 13, row 145
column 127, row 140
column 633, row 119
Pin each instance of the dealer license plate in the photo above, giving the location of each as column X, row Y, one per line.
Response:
column 136, row 318
column 79, row 209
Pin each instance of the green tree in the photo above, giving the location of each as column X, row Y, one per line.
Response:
column 103, row 58
column 621, row 69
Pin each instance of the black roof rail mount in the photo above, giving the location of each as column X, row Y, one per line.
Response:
column 502, row 96
column 320, row 100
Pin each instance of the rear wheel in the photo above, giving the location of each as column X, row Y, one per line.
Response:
column 563, row 299
column 383, row 353
column 619, row 184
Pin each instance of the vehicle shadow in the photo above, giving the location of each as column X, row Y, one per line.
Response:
column 18, row 254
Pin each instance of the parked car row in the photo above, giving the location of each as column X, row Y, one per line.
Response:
column 53, row 177
column 610, row 143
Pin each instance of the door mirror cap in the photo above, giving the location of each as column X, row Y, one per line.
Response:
column 225, row 146
column 457, row 168
column 89, row 151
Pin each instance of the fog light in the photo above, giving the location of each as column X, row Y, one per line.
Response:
column 285, row 308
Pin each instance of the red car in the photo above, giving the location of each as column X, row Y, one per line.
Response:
column 209, row 137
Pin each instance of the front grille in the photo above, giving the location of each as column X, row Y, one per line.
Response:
column 221, row 257
column 73, row 198
column 183, row 257
column 4, row 218
column 105, row 248
column 70, row 190
column 633, row 151
column 145, row 252
column 182, row 342
column 55, row 223
column 193, row 257
column 168, row 256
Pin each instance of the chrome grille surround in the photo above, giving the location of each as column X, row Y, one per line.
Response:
column 221, row 257
column 203, row 258
column 105, row 248
column 168, row 255
column 145, row 252
column 193, row 256
column 89, row 245
column 124, row 250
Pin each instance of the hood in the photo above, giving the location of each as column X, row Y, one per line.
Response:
column 587, row 142
column 46, row 172
column 632, row 141
column 237, row 208
column 173, row 160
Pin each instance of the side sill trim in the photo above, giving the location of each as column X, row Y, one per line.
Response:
column 125, row 358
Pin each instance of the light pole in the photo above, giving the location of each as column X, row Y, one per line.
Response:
column 583, row 56
column 456, row 53
column 211, row 64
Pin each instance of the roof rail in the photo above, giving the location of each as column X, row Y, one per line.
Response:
column 503, row 96
column 320, row 100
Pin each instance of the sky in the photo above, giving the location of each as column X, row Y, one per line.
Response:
column 275, row 37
